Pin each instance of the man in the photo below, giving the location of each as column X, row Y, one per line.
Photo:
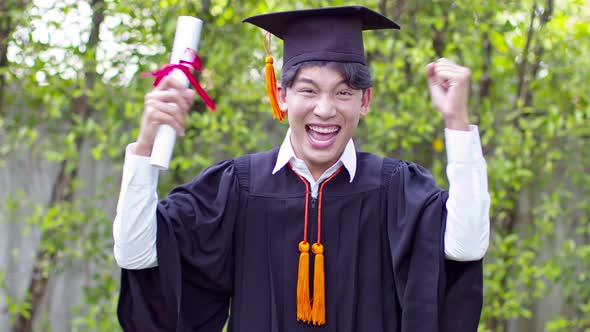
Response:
column 314, row 235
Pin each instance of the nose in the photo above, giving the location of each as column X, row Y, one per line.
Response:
column 324, row 108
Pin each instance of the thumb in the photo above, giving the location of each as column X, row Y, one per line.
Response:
column 430, row 69
column 435, row 89
column 431, row 76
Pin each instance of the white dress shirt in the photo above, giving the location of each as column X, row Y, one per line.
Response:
column 466, row 233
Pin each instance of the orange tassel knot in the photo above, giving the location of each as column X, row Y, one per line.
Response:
column 271, row 89
column 271, row 80
column 303, row 300
column 318, row 311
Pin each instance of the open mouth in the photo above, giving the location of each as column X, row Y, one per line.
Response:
column 322, row 136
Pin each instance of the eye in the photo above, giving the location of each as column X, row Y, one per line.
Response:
column 306, row 91
column 346, row 93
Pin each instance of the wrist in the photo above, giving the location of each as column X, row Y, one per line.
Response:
column 142, row 150
column 457, row 122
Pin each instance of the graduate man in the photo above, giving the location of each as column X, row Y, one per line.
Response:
column 313, row 235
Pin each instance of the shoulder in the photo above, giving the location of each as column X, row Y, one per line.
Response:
column 391, row 170
column 263, row 161
column 373, row 170
column 372, row 164
column 243, row 163
column 251, row 167
column 230, row 172
column 263, row 157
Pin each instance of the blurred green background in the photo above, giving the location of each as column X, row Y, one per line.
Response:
column 71, row 97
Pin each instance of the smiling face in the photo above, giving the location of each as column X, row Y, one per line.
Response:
column 323, row 112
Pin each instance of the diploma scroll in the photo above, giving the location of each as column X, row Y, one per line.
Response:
column 187, row 35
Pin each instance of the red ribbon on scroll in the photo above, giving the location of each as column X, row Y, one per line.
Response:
column 184, row 66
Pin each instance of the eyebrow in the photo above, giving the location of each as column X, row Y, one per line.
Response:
column 310, row 81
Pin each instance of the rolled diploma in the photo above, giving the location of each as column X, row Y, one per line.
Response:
column 187, row 35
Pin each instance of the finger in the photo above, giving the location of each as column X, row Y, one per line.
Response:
column 445, row 75
column 171, row 109
column 170, row 102
column 160, row 118
column 165, row 95
column 430, row 70
column 436, row 89
column 189, row 95
column 170, row 96
column 433, row 70
column 447, row 65
column 169, row 82
column 165, row 119
column 433, row 78
column 445, row 61
column 453, row 74
column 179, row 99
column 155, row 109
column 457, row 69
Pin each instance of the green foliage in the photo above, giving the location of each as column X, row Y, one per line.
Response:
column 530, row 98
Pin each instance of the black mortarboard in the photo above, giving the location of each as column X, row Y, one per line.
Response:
column 329, row 34
column 322, row 34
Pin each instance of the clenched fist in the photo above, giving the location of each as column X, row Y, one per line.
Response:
column 449, row 90
column 169, row 104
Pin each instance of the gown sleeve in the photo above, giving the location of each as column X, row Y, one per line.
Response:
column 191, row 287
column 434, row 294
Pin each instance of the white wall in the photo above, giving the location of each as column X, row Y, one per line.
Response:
column 26, row 172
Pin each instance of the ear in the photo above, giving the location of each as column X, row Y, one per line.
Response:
column 366, row 101
column 282, row 96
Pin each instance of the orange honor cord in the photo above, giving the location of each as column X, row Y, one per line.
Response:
column 271, row 81
column 303, row 298
column 318, row 311
column 315, row 314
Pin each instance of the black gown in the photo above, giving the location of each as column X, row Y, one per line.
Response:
column 228, row 242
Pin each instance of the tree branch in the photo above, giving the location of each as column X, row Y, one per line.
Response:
column 485, row 80
column 439, row 42
column 539, row 50
column 524, row 56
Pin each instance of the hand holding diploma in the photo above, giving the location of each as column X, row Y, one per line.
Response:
column 167, row 106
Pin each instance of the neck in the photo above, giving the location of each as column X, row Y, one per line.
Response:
column 316, row 172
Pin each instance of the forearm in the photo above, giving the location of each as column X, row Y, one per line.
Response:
column 134, row 228
column 467, row 226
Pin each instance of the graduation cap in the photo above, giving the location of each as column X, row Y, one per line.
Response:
column 322, row 34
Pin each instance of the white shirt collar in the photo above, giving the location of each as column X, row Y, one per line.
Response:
column 286, row 153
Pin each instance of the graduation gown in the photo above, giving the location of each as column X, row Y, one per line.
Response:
column 228, row 243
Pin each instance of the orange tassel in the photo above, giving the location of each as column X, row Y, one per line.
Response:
column 318, row 311
column 271, row 89
column 303, row 301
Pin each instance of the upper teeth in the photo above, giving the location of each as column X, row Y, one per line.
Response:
column 324, row 130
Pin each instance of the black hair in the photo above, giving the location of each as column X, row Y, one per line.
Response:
column 357, row 75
